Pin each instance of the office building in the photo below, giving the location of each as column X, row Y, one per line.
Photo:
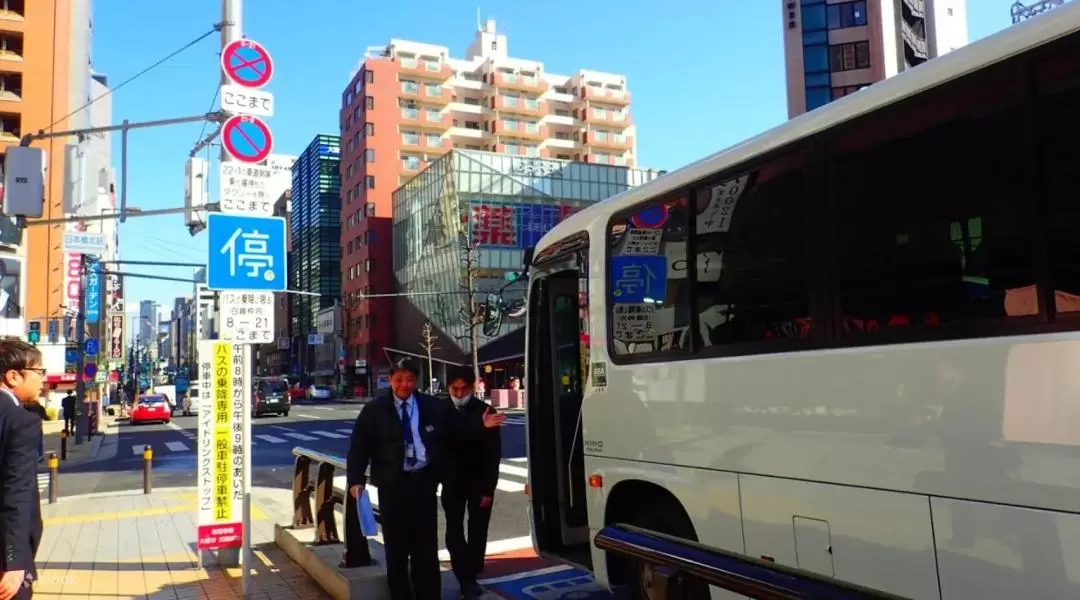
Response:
column 409, row 103
column 315, row 233
column 506, row 203
column 44, row 75
column 832, row 48
column 275, row 358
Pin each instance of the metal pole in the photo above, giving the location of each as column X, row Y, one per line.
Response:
column 123, row 171
column 141, row 213
column 80, row 363
column 246, row 559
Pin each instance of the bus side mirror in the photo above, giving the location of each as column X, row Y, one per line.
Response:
column 492, row 315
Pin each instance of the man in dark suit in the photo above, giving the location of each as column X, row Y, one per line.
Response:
column 470, row 486
column 21, row 377
column 403, row 436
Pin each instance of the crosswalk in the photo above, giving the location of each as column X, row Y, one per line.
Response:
column 43, row 483
column 282, row 435
column 513, row 475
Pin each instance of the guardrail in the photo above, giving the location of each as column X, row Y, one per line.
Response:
column 676, row 560
column 324, row 517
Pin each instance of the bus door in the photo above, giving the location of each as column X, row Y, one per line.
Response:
column 554, row 396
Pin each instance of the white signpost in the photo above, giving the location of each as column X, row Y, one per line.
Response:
column 247, row 317
column 222, row 444
column 241, row 100
column 245, row 189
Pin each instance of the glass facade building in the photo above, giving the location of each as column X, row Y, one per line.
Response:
column 498, row 204
column 315, row 229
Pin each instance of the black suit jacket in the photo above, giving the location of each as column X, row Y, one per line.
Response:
column 474, row 456
column 377, row 440
column 20, row 503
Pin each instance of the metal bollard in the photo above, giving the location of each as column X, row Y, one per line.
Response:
column 63, row 444
column 147, row 476
column 54, row 477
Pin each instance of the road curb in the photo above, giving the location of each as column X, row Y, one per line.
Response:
column 112, row 430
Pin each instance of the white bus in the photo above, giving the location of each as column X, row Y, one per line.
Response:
column 873, row 372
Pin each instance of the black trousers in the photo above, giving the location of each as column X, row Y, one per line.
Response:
column 410, row 535
column 466, row 554
column 69, row 422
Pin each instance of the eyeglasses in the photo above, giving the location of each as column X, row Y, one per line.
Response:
column 39, row 370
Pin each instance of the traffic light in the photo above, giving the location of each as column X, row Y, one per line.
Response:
column 34, row 335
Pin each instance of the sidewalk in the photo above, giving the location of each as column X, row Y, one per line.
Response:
column 130, row 545
column 87, row 451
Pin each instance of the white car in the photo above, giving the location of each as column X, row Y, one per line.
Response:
column 320, row 392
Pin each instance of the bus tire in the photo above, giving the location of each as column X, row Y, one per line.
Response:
column 665, row 518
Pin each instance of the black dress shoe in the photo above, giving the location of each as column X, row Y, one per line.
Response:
column 469, row 590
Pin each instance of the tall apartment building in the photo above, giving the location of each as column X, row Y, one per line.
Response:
column 315, row 234
column 835, row 47
column 44, row 75
column 409, row 103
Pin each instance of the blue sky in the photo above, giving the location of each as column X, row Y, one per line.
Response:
column 726, row 85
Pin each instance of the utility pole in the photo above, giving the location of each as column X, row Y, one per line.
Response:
column 82, row 421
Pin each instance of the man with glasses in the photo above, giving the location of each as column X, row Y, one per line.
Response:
column 21, row 377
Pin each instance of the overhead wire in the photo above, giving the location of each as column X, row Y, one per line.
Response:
column 215, row 29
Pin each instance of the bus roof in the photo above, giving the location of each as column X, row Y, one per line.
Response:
column 1000, row 46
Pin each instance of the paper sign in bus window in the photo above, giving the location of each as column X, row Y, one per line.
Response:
column 633, row 322
column 716, row 218
column 636, row 279
column 642, row 242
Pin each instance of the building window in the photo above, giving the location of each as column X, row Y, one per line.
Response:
column 847, row 14
column 369, row 182
column 369, row 208
column 369, row 77
column 640, row 292
column 369, row 155
column 840, row 92
column 850, row 56
column 369, row 129
column 369, row 265
column 814, row 15
column 369, row 102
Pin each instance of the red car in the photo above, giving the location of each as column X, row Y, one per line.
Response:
column 151, row 408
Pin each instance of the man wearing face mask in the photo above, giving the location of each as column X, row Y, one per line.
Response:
column 403, row 436
column 473, row 473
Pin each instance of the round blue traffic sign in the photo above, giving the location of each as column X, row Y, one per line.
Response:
column 91, row 347
column 247, row 63
column 247, row 139
column 90, row 370
column 71, row 355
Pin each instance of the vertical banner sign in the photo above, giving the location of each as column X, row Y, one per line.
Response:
column 220, row 444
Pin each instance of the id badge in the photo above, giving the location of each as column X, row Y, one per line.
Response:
column 410, row 452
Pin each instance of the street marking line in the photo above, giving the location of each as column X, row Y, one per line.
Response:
column 497, row 547
column 256, row 514
column 273, row 439
column 510, row 486
column 308, row 416
column 345, row 431
column 526, row 574
column 176, row 446
column 137, row 450
column 523, row 459
column 512, row 470
column 330, row 434
column 174, row 427
column 302, row 437
column 281, row 427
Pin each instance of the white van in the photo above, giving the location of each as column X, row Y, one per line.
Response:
column 191, row 399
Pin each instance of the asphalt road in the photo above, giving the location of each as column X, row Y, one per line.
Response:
column 324, row 427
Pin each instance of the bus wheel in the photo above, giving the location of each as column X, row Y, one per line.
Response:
column 637, row 576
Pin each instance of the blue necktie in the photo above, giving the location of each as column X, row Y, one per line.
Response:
column 406, row 432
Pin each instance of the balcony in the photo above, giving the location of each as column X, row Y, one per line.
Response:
column 11, row 50
column 616, row 161
column 560, row 144
column 913, row 40
column 917, row 7
column 608, row 142
column 467, row 135
column 606, row 96
column 12, row 15
column 520, row 106
column 11, row 93
column 521, row 131
column 442, row 95
column 435, row 150
column 531, row 85
column 424, row 69
column 605, row 118
column 411, row 164
column 10, row 128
